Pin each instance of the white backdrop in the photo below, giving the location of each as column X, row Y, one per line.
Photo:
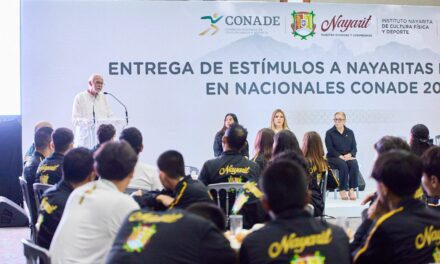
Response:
column 63, row 42
column 10, row 56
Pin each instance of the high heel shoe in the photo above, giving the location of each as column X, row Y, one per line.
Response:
column 343, row 195
column 352, row 195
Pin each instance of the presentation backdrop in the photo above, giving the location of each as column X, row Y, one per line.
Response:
column 181, row 66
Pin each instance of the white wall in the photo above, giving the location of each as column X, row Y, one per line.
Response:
column 10, row 57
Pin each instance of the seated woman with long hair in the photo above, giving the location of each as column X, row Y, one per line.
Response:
column 278, row 121
column 318, row 166
column 263, row 147
column 230, row 118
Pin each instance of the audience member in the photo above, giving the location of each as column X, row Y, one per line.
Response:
column 231, row 166
column 77, row 171
column 285, row 140
column 230, row 119
column 96, row 210
column 404, row 230
column 431, row 175
column 263, row 147
column 43, row 149
column 385, row 144
column 292, row 234
column 31, row 150
column 278, row 121
column 106, row 132
column 341, row 155
column 317, row 165
column 419, row 139
column 145, row 176
column 50, row 170
column 316, row 196
column 388, row 143
column 180, row 190
column 419, row 142
column 173, row 236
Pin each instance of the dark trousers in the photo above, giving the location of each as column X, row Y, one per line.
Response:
column 348, row 171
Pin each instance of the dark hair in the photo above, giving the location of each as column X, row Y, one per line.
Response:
column 78, row 164
column 420, row 139
column 236, row 136
column 431, row 161
column 115, row 160
column 285, row 140
column 399, row 170
column 284, row 184
column 171, row 162
column 42, row 137
column 388, row 143
column 263, row 145
column 134, row 137
column 234, row 116
column 210, row 212
column 62, row 137
column 293, row 156
column 296, row 157
column 314, row 151
column 105, row 133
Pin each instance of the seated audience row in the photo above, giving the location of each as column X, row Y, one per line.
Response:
column 99, row 223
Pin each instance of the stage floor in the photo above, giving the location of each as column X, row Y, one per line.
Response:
column 343, row 208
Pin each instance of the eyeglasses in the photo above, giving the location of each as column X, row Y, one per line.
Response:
column 338, row 119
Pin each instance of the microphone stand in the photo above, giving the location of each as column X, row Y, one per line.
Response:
column 119, row 101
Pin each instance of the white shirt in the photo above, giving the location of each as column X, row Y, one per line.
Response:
column 92, row 217
column 145, row 177
column 82, row 116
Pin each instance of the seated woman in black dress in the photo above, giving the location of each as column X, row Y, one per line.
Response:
column 341, row 155
column 230, row 118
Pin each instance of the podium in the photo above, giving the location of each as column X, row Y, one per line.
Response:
column 85, row 130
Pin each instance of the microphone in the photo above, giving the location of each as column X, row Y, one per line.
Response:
column 119, row 101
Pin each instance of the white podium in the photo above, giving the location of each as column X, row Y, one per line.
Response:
column 85, row 130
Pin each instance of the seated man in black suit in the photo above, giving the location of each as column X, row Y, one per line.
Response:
column 293, row 235
column 77, row 171
column 180, row 190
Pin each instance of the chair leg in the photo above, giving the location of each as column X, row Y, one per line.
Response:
column 335, row 196
column 357, row 192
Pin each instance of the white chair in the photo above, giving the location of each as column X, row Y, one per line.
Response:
column 35, row 254
column 227, row 188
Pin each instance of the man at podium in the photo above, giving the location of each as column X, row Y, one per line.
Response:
column 89, row 107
